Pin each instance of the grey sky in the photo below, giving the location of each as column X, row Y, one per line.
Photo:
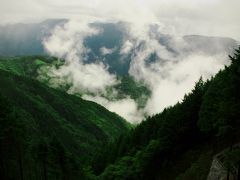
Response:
column 207, row 17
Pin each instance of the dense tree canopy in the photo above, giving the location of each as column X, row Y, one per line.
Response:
column 48, row 134
column 180, row 141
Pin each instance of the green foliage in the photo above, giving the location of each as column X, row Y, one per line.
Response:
column 57, row 133
column 220, row 113
column 135, row 90
column 37, row 67
column 232, row 160
column 199, row 169
column 161, row 146
column 25, row 65
column 48, row 134
column 153, row 143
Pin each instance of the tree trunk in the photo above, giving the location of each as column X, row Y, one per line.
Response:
column 238, row 172
column 228, row 174
column 44, row 169
column 231, row 147
column 2, row 168
column 20, row 161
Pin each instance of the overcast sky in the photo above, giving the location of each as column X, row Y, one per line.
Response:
column 206, row 17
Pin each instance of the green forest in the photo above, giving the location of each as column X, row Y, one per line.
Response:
column 46, row 133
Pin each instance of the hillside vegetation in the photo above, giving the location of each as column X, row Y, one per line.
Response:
column 37, row 67
column 46, row 133
column 179, row 142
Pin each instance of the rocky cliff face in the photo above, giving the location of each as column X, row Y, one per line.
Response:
column 225, row 164
column 217, row 171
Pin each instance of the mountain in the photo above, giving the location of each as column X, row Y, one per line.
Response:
column 106, row 46
column 25, row 39
column 210, row 45
column 46, row 133
column 33, row 66
column 180, row 142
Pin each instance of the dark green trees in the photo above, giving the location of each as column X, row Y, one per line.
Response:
column 54, row 135
column 48, row 134
column 180, row 141
column 11, row 141
column 220, row 113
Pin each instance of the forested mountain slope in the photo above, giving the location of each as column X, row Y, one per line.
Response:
column 36, row 67
column 46, row 133
column 179, row 142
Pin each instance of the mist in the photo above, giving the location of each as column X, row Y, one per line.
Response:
column 177, row 66
column 203, row 17
column 66, row 42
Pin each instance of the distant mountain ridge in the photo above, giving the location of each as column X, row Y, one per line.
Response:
column 205, row 43
column 26, row 39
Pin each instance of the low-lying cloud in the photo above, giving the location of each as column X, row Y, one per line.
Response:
column 106, row 51
column 174, row 71
column 67, row 42
column 89, row 80
column 126, row 107
column 152, row 28
column 179, row 79
column 170, row 76
column 177, row 65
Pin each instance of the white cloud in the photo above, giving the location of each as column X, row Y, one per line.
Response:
column 67, row 42
column 209, row 17
column 175, row 70
column 180, row 79
column 126, row 47
column 127, row 107
column 106, row 51
column 172, row 75
column 169, row 78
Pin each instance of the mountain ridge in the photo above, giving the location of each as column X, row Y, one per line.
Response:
column 26, row 39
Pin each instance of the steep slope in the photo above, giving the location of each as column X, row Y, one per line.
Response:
column 47, row 117
column 179, row 143
column 27, row 66
column 36, row 67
